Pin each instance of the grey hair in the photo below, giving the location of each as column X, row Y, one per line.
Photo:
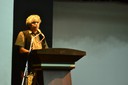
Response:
column 32, row 18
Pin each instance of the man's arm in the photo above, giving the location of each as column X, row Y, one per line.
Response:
column 23, row 50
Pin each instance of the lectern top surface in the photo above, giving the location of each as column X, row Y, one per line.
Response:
column 56, row 55
column 61, row 51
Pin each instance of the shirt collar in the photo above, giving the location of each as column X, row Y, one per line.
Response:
column 30, row 32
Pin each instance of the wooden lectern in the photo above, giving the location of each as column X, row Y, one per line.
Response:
column 56, row 64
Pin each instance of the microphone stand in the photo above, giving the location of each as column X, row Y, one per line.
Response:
column 26, row 67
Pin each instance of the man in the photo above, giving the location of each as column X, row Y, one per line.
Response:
column 30, row 39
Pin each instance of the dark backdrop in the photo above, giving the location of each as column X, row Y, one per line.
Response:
column 22, row 9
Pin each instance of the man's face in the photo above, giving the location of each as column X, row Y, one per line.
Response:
column 35, row 25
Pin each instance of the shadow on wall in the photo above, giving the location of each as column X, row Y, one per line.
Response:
column 96, row 20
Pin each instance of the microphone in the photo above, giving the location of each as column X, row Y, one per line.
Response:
column 41, row 33
column 43, row 37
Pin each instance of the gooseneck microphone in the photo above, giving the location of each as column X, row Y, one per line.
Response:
column 41, row 34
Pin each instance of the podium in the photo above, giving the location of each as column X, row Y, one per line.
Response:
column 55, row 64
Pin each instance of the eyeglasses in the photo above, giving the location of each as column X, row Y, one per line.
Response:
column 35, row 22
